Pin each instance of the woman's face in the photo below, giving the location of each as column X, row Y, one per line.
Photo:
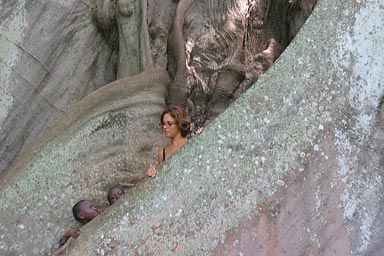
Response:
column 170, row 127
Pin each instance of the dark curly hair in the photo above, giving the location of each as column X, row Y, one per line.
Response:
column 183, row 121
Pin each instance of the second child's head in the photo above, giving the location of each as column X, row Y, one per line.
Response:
column 84, row 211
column 114, row 194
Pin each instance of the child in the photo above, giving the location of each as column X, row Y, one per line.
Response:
column 83, row 211
column 114, row 194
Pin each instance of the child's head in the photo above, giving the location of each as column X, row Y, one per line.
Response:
column 84, row 211
column 114, row 194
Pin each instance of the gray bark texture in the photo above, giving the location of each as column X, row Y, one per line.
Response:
column 52, row 56
column 293, row 166
column 56, row 53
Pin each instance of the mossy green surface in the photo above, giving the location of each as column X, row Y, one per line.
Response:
column 323, row 92
column 303, row 106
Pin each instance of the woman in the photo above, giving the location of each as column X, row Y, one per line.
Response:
column 176, row 126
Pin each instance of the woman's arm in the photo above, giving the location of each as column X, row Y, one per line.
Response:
column 152, row 169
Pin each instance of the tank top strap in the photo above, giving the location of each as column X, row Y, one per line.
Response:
column 163, row 154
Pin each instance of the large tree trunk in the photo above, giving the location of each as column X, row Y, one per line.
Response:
column 63, row 51
column 218, row 49
column 110, row 136
column 304, row 139
column 52, row 56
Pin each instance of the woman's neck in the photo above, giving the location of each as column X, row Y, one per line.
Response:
column 179, row 140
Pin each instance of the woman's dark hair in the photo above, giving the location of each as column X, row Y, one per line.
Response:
column 183, row 121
